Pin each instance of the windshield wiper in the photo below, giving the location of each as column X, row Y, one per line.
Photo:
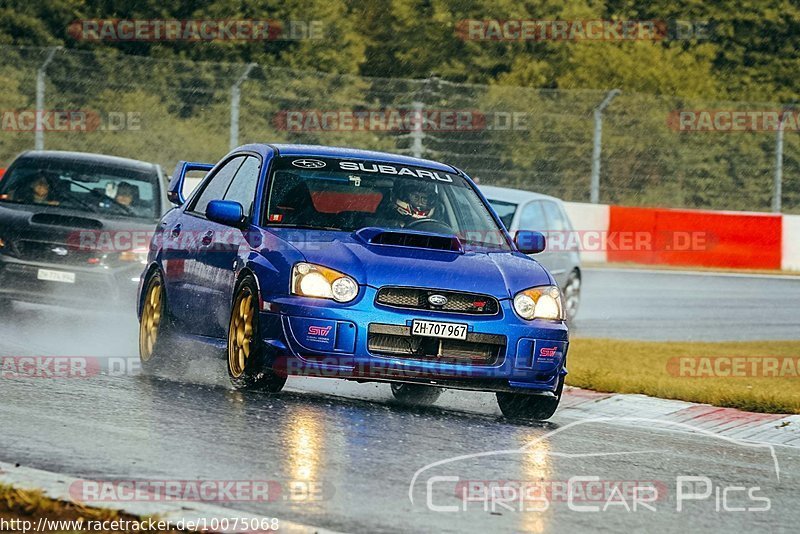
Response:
column 78, row 200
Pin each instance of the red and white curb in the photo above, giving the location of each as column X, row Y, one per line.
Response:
column 56, row 487
column 773, row 429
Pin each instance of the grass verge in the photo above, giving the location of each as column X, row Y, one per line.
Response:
column 19, row 506
column 761, row 376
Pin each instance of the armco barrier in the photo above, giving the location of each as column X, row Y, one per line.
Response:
column 698, row 238
column 791, row 243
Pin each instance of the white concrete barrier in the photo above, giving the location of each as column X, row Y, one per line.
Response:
column 589, row 218
column 790, row 256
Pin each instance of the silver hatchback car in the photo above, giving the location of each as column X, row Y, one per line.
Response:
column 523, row 210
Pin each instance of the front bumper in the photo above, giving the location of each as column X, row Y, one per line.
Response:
column 95, row 285
column 317, row 337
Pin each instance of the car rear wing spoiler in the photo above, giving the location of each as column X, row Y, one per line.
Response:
column 175, row 190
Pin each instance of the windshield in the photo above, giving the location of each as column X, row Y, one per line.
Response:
column 349, row 195
column 85, row 186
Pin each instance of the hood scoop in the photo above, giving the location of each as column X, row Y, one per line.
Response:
column 52, row 219
column 410, row 239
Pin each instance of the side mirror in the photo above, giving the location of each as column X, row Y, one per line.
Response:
column 225, row 212
column 530, row 242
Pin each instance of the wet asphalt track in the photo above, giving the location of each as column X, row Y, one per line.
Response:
column 356, row 451
column 683, row 306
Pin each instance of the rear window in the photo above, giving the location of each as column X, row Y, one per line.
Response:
column 84, row 186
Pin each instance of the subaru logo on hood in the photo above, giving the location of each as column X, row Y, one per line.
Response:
column 437, row 300
column 308, row 163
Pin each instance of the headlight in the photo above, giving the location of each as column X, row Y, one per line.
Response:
column 540, row 303
column 309, row 280
column 135, row 255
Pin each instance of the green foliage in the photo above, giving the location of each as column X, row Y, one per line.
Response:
column 389, row 54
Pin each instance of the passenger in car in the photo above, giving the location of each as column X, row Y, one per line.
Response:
column 39, row 191
column 127, row 194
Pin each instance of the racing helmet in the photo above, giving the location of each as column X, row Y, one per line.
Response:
column 415, row 199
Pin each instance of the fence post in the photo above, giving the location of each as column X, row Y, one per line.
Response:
column 236, row 94
column 417, row 149
column 777, row 179
column 597, row 146
column 38, row 139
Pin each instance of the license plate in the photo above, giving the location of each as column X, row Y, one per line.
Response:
column 56, row 276
column 435, row 329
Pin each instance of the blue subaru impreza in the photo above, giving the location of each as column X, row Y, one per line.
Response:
column 332, row 262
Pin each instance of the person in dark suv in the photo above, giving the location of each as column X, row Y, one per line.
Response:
column 38, row 191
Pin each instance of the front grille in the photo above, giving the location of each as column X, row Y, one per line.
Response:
column 396, row 340
column 41, row 252
column 457, row 301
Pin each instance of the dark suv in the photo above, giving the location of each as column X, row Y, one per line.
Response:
column 75, row 227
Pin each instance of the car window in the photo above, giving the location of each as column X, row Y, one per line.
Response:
column 533, row 218
column 555, row 219
column 347, row 196
column 504, row 210
column 242, row 188
column 216, row 188
column 83, row 185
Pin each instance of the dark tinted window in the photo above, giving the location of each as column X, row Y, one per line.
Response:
column 83, row 185
column 216, row 188
column 243, row 187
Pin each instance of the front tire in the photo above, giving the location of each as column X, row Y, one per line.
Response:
column 248, row 362
column 572, row 296
column 415, row 394
column 524, row 406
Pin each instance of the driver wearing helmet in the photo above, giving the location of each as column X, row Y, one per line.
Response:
column 413, row 201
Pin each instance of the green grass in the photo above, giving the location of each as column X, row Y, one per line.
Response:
column 654, row 368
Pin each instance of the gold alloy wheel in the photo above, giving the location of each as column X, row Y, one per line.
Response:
column 240, row 333
column 151, row 320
